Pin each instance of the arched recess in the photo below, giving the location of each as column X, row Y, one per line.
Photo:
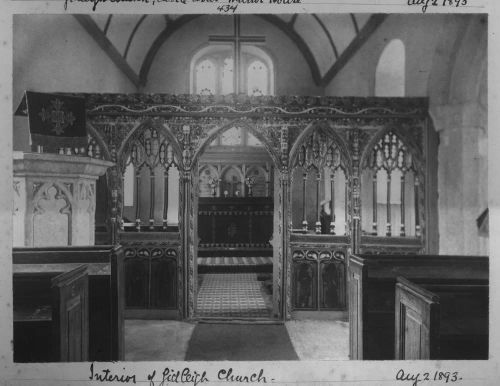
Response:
column 57, row 211
column 390, row 74
column 149, row 160
column 280, row 291
column 259, row 179
column 232, row 186
column 209, row 181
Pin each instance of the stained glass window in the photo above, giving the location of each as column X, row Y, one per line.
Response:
column 257, row 78
column 205, row 77
column 390, row 74
column 227, row 84
column 214, row 71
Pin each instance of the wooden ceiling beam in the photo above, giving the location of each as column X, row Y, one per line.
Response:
column 366, row 32
column 93, row 30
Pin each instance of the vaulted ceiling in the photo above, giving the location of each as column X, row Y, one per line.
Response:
column 326, row 41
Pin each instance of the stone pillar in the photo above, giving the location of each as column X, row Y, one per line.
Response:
column 54, row 199
column 462, row 177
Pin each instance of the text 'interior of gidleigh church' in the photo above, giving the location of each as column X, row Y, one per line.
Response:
column 250, row 187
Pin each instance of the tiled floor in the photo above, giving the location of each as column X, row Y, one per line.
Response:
column 233, row 295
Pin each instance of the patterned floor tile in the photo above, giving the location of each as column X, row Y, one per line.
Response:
column 232, row 295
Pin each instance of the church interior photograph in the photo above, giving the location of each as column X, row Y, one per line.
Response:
column 250, row 187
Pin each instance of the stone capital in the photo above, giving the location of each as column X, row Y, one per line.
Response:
column 457, row 116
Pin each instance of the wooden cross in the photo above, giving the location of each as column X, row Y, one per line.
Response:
column 236, row 40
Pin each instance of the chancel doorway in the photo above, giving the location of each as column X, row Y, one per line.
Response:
column 235, row 228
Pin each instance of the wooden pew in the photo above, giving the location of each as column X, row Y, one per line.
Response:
column 51, row 315
column 372, row 287
column 439, row 320
column 105, row 290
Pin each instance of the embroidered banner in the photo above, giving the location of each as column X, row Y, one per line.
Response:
column 56, row 120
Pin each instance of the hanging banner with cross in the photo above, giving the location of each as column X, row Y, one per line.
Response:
column 55, row 120
column 237, row 40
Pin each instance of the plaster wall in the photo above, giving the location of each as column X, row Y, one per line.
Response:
column 53, row 53
column 170, row 70
column 446, row 60
column 420, row 35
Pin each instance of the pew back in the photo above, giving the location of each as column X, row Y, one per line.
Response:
column 105, row 284
column 436, row 320
column 372, row 282
column 51, row 315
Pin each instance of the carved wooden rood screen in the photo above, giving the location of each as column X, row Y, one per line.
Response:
column 349, row 175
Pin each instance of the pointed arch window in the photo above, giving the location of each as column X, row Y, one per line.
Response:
column 391, row 190
column 227, row 86
column 206, row 77
column 390, row 74
column 150, row 182
column 212, row 71
column 319, row 186
column 257, row 78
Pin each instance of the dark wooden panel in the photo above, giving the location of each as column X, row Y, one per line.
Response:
column 378, row 275
column 417, row 322
column 355, row 312
column 100, row 308
column 305, row 285
column 137, row 282
column 54, row 332
column 442, row 321
column 76, row 350
column 238, row 223
column 329, row 262
column 32, row 341
column 104, row 315
column 55, row 255
column 332, row 285
column 70, row 316
column 163, row 283
column 151, row 279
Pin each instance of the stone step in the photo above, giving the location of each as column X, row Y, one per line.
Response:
column 235, row 264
